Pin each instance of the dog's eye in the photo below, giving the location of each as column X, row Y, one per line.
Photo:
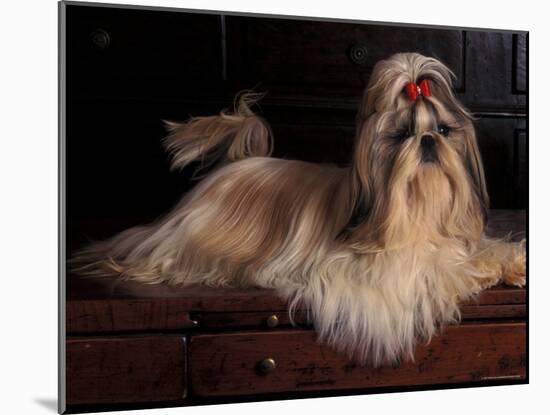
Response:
column 402, row 134
column 443, row 130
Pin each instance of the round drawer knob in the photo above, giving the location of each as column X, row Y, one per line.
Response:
column 358, row 54
column 272, row 321
column 100, row 39
column 267, row 365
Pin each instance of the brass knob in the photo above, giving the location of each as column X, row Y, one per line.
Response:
column 272, row 321
column 267, row 365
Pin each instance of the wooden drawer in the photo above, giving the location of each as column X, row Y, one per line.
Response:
column 296, row 56
column 280, row 318
column 125, row 369
column 131, row 315
column 274, row 319
column 228, row 364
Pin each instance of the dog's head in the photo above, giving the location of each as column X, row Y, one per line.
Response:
column 417, row 167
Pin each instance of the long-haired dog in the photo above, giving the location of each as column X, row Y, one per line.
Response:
column 380, row 254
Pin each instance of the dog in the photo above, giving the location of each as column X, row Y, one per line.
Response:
column 380, row 253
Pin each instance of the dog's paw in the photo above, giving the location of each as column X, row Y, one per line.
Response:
column 489, row 281
column 515, row 272
column 489, row 274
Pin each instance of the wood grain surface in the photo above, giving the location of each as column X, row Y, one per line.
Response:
column 126, row 369
column 206, row 307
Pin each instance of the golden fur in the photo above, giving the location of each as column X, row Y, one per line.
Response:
column 380, row 254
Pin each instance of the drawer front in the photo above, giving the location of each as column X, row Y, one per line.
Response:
column 126, row 370
column 231, row 364
column 130, row 315
column 277, row 319
column 308, row 56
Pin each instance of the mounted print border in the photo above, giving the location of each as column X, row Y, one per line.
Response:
column 125, row 69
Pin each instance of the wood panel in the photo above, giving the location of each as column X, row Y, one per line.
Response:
column 504, row 158
column 520, row 63
column 121, row 52
column 125, row 369
column 521, row 168
column 116, row 165
column 315, row 58
column 331, row 144
column 510, row 223
column 227, row 364
column 490, row 78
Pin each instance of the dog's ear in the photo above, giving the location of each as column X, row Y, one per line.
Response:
column 361, row 192
column 474, row 165
column 363, row 162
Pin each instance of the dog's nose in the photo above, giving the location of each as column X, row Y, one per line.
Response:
column 429, row 151
column 427, row 141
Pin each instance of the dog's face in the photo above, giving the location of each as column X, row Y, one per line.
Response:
column 417, row 158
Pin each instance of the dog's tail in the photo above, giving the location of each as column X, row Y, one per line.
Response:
column 227, row 137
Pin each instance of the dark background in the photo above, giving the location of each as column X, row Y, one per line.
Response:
column 127, row 70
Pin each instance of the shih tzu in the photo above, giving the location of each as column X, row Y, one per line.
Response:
column 380, row 254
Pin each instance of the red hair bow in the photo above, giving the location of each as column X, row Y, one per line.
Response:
column 414, row 90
